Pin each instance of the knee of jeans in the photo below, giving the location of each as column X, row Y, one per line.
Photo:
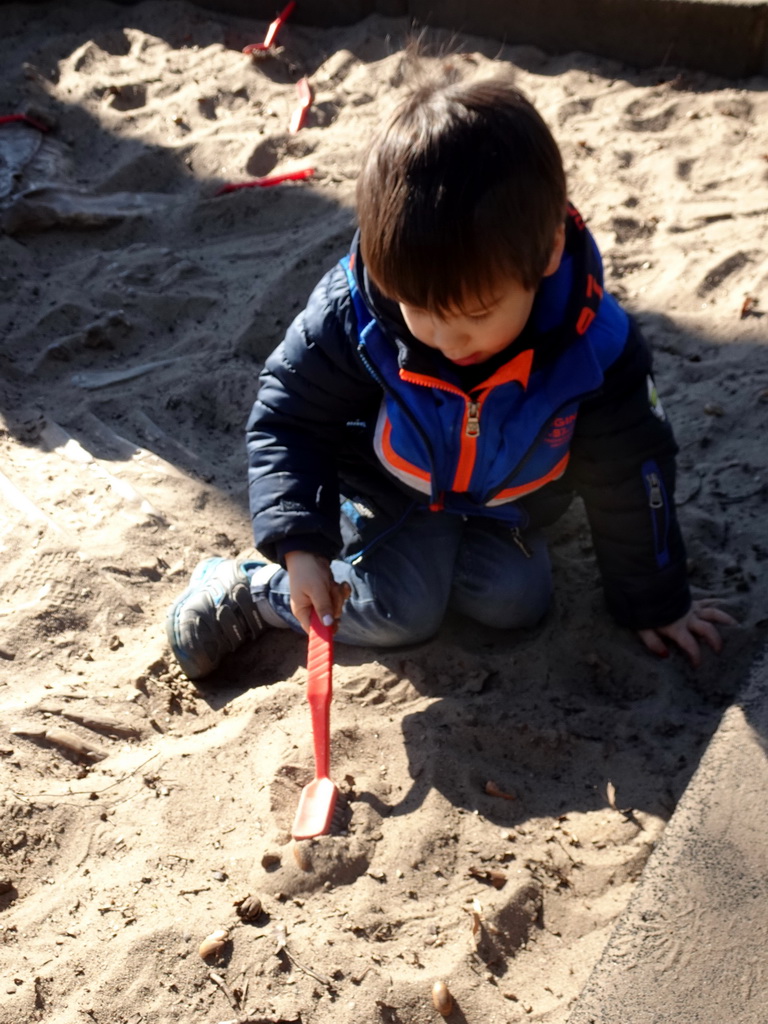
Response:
column 409, row 624
column 514, row 607
column 411, row 614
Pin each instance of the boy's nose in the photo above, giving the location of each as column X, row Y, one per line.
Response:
column 452, row 343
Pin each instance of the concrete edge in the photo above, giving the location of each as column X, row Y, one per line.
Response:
column 691, row 945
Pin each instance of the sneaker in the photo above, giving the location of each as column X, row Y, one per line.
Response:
column 214, row 615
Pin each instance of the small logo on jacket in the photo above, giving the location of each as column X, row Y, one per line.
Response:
column 561, row 431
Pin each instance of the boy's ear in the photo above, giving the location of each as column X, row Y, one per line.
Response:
column 557, row 251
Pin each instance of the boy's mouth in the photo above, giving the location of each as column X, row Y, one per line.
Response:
column 466, row 361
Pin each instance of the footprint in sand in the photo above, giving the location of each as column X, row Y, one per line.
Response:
column 629, row 229
column 738, row 107
column 649, row 115
column 725, row 269
column 684, row 168
column 130, row 96
column 574, row 108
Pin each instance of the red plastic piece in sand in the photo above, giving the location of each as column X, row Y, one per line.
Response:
column 272, row 31
column 24, row 119
column 299, row 116
column 275, row 179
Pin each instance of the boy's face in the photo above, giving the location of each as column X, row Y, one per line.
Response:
column 485, row 327
column 483, row 331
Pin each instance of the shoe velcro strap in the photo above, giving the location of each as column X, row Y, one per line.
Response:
column 238, row 620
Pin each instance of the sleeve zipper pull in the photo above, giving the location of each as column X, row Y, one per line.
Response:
column 655, row 497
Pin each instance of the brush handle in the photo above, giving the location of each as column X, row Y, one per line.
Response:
column 277, row 24
column 319, row 691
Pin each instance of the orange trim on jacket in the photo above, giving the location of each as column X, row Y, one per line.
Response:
column 511, row 493
column 411, row 474
column 397, row 460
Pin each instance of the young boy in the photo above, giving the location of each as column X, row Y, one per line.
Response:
column 450, row 385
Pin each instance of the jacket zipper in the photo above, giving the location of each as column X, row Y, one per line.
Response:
column 468, row 447
column 473, row 419
column 659, row 510
column 655, row 499
column 465, row 464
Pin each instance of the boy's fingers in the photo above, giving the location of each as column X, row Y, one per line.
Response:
column 302, row 613
column 338, row 604
column 320, row 598
column 303, row 621
column 324, row 611
column 341, row 592
column 708, row 633
column 687, row 642
column 338, row 595
column 323, row 603
column 694, row 653
column 716, row 615
column 302, row 609
column 698, row 624
column 654, row 643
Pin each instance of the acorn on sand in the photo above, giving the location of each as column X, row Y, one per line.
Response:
column 442, row 999
column 213, row 944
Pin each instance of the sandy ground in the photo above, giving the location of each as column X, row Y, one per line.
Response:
column 136, row 307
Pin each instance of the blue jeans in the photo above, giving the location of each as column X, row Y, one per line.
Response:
column 402, row 589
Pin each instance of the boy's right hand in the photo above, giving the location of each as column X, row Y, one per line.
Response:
column 313, row 586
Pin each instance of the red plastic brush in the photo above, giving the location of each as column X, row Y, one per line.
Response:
column 274, row 28
column 318, row 798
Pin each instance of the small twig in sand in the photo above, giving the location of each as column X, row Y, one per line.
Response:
column 83, row 792
column 282, row 948
column 260, row 1020
column 218, row 980
column 237, row 999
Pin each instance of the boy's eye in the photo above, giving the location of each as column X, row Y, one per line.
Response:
column 483, row 315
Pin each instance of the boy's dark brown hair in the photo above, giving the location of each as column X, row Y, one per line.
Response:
column 463, row 186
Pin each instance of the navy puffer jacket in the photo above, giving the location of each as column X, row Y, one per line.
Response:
column 314, row 435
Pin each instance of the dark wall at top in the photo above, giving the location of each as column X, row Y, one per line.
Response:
column 723, row 37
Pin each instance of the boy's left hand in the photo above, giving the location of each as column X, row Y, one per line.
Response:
column 697, row 624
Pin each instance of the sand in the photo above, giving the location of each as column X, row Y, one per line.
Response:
column 137, row 308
